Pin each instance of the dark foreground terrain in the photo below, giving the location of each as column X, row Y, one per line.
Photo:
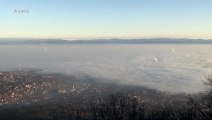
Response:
column 31, row 96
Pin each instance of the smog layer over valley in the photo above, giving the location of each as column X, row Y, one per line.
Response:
column 105, row 60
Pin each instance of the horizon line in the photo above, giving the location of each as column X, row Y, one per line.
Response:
column 70, row 39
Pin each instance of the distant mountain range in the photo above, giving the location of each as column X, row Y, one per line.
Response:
column 105, row 41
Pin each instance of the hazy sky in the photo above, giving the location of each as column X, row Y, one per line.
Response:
column 106, row 18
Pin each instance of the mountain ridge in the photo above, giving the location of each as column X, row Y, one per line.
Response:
column 106, row 41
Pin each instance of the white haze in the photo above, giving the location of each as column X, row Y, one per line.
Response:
column 178, row 68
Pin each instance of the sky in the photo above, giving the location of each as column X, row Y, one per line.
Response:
column 76, row 19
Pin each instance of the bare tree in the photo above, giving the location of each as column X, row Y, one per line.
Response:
column 116, row 107
column 204, row 105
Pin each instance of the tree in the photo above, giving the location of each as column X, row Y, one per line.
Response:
column 116, row 107
column 204, row 105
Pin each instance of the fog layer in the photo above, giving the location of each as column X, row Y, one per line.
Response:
column 172, row 68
